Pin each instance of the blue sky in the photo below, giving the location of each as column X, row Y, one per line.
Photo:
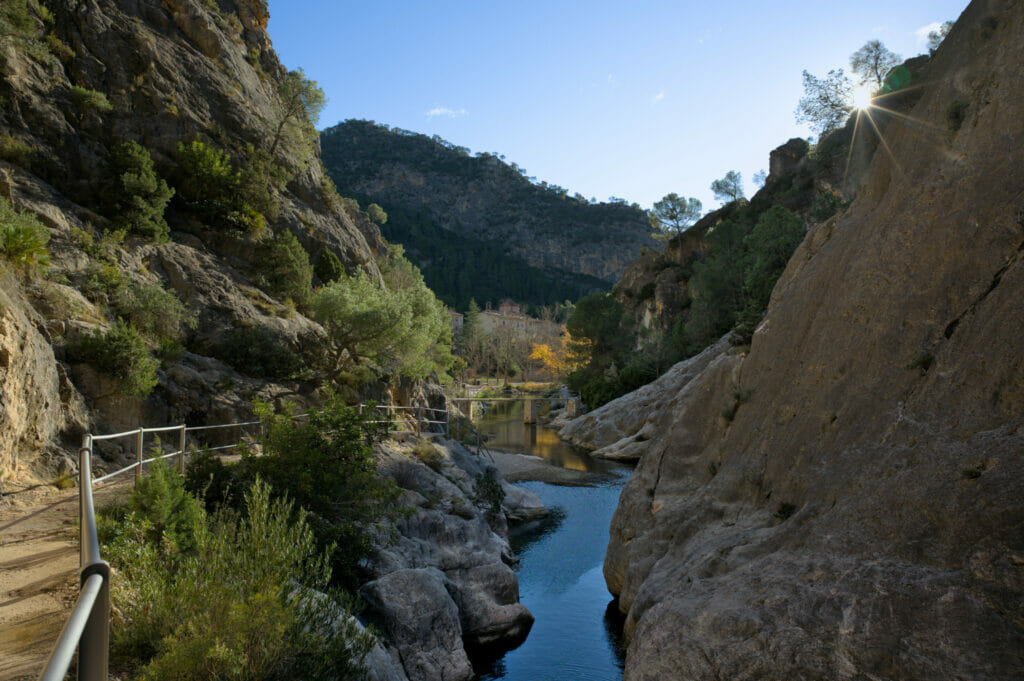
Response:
column 633, row 100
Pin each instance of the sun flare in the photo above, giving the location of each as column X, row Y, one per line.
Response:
column 862, row 97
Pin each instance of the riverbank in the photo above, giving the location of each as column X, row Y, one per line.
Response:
column 527, row 468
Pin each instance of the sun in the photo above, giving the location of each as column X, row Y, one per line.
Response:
column 861, row 98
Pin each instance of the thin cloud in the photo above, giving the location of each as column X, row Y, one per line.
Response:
column 658, row 97
column 447, row 112
column 922, row 33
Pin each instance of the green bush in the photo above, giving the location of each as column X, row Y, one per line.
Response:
column 489, row 491
column 121, row 354
column 258, row 351
column 90, row 101
column 153, row 311
column 285, row 269
column 825, row 205
column 240, row 602
column 23, row 238
column 402, row 329
column 15, row 151
column 132, row 195
column 211, row 186
column 328, row 267
column 325, row 464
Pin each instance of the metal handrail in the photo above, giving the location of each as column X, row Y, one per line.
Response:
column 88, row 627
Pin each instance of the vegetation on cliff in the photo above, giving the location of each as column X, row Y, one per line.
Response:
column 478, row 226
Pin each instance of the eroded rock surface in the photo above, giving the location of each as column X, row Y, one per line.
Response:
column 856, row 511
column 444, row 584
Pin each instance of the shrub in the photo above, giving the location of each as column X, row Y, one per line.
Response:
column 121, row 354
column 328, row 267
column 153, row 311
column 211, row 186
column 377, row 214
column 133, row 197
column 429, row 455
column 90, row 101
column 59, row 48
column 489, row 491
column 23, row 238
column 15, row 151
column 285, row 269
column 825, row 205
column 956, row 112
column 240, row 603
column 324, row 464
column 258, row 351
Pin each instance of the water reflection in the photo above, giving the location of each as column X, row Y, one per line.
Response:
column 504, row 429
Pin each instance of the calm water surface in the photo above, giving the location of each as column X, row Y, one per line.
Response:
column 576, row 635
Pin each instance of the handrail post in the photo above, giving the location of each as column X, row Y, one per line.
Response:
column 181, row 451
column 138, row 451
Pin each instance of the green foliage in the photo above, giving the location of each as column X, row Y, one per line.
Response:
column 728, row 188
column 674, row 213
column 872, row 61
column 213, row 188
column 769, row 245
column 23, row 238
column 459, row 261
column 377, row 214
column 825, row 105
column 733, row 281
column 258, row 351
column 956, row 112
column 132, row 194
column 59, row 48
column 237, row 600
column 324, row 464
column 402, row 329
column 153, row 311
column 121, row 354
column 90, row 101
column 171, row 514
column 328, row 267
column 488, row 490
column 15, row 151
column 825, row 205
column 301, row 102
column 285, row 269
column 22, row 23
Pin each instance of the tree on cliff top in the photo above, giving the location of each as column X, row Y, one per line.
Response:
column 825, row 105
column 872, row 61
column 729, row 188
column 674, row 212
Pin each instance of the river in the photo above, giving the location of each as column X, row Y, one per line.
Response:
column 577, row 632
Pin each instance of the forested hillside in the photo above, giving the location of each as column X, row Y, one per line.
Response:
column 477, row 226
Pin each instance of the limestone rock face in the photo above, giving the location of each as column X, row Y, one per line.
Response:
column 420, row 618
column 37, row 401
column 623, row 428
column 444, row 585
column 860, row 514
column 172, row 72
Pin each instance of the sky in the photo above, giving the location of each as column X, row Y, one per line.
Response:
column 627, row 99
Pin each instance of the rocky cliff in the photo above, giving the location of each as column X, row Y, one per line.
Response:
column 467, row 220
column 843, row 500
column 81, row 78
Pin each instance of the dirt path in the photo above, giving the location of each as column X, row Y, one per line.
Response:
column 39, row 571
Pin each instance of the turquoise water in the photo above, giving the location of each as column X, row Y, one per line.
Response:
column 576, row 635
